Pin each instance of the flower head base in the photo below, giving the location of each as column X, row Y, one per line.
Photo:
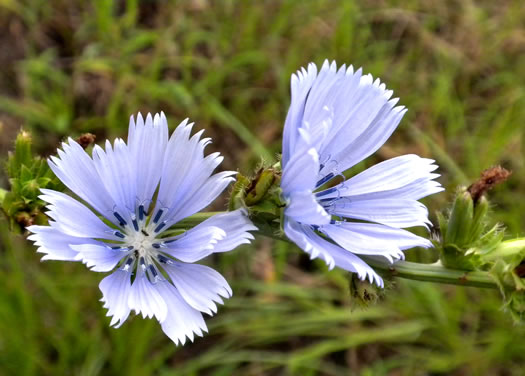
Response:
column 337, row 118
column 136, row 192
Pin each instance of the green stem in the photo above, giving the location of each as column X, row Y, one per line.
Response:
column 435, row 272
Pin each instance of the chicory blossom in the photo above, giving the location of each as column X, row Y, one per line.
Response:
column 130, row 194
column 337, row 118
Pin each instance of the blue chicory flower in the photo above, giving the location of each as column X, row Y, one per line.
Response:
column 132, row 193
column 336, row 119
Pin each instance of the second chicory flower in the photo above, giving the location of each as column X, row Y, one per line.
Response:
column 337, row 118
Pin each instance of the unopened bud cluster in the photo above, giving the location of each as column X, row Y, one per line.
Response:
column 467, row 242
column 260, row 195
column 465, row 235
column 27, row 175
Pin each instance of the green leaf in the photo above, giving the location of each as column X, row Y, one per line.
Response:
column 25, row 174
column 44, row 181
column 30, row 190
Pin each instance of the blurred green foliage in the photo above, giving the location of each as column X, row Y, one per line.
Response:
column 70, row 67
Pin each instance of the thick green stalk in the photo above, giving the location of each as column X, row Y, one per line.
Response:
column 435, row 272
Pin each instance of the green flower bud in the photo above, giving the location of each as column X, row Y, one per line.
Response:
column 27, row 175
column 260, row 186
column 464, row 238
column 21, row 156
column 260, row 194
column 460, row 220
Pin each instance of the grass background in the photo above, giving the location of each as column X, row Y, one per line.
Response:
column 69, row 67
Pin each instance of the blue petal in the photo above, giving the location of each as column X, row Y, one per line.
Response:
column 54, row 243
column 373, row 137
column 301, row 84
column 304, row 237
column 363, row 116
column 99, row 257
column 348, row 261
column 115, row 293
column 386, row 193
column 236, row 225
column 77, row 171
column 114, row 166
column 195, row 244
column 147, row 144
column 145, row 298
column 301, row 172
column 181, row 321
column 415, row 190
column 394, row 212
column 203, row 195
column 220, row 233
column 355, row 108
column 304, row 208
column 372, row 239
column 310, row 242
column 199, row 285
column 75, row 219
column 187, row 184
column 392, row 174
column 384, row 234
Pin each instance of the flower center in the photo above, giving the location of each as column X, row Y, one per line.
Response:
column 139, row 233
column 143, row 255
column 142, row 242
